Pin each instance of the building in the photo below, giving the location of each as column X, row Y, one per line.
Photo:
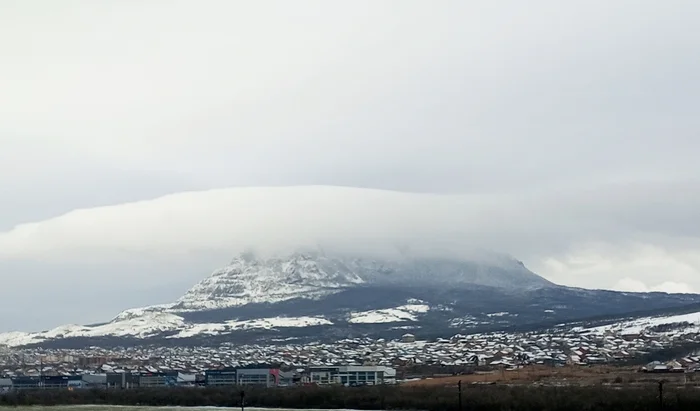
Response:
column 62, row 382
column 660, row 368
column 5, row 384
column 158, row 379
column 94, row 380
column 288, row 378
column 322, row 375
column 268, row 377
column 26, row 383
column 263, row 375
column 351, row 375
column 92, row 361
column 218, row 378
column 259, row 375
column 408, row 338
column 122, row 380
column 186, row 380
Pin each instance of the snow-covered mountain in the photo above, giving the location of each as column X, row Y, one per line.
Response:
column 154, row 323
column 248, row 279
column 314, row 295
column 313, row 275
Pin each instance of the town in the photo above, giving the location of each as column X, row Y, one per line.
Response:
column 348, row 362
column 259, row 375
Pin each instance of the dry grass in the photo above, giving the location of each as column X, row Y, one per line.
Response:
column 575, row 375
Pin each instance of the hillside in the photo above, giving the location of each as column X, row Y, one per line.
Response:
column 312, row 295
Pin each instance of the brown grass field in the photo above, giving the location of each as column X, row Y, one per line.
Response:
column 568, row 375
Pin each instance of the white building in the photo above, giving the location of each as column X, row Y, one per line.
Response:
column 351, row 375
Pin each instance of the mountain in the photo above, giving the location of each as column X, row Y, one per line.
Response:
column 248, row 280
column 311, row 296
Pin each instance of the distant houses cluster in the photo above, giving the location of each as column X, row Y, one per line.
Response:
column 687, row 364
column 257, row 375
column 198, row 365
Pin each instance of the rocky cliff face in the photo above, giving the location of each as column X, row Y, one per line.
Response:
column 248, row 279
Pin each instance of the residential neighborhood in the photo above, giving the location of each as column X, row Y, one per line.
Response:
column 348, row 362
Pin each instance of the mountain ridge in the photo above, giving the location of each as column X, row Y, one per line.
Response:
column 317, row 295
column 247, row 279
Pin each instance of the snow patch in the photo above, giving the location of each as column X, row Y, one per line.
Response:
column 262, row 323
column 17, row 338
column 140, row 312
column 646, row 324
column 389, row 315
column 148, row 324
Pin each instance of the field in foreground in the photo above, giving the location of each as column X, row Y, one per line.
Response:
column 133, row 408
column 442, row 398
column 130, row 408
column 569, row 375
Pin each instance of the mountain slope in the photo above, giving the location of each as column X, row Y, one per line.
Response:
column 249, row 280
column 316, row 296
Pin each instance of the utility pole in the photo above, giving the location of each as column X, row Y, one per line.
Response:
column 242, row 400
column 459, row 388
column 661, row 394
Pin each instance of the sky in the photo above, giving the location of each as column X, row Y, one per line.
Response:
column 144, row 143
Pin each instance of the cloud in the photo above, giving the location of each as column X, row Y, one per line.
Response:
column 266, row 219
column 629, row 284
column 660, row 263
column 591, row 238
column 563, row 134
column 450, row 97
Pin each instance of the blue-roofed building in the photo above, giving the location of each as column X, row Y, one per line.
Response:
column 62, row 381
column 258, row 374
column 218, row 378
column 158, row 379
column 5, row 384
column 26, row 383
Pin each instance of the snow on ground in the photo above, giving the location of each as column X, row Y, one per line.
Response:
column 60, row 332
column 198, row 303
column 264, row 323
column 201, row 329
column 139, row 312
column 389, row 315
column 145, row 323
column 149, row 323
column 646, row 323
column 275, row 322
column 17, row 338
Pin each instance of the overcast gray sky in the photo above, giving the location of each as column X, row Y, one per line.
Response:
column 564, row 133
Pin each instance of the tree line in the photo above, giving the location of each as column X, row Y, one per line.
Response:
column 495, row 397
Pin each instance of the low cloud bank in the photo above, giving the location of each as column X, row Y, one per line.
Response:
column 634, row 237
column 278, row 219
